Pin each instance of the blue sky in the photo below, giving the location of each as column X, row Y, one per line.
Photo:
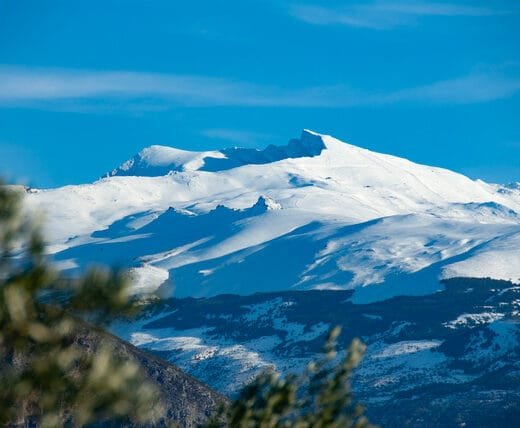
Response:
column 85, row 85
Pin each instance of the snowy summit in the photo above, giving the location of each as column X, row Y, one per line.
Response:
column 316, row 213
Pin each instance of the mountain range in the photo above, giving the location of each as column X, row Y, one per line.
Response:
column 314, row 214
column 256, row 254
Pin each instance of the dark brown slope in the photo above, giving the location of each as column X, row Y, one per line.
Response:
column 183, row 400
column 187, row 401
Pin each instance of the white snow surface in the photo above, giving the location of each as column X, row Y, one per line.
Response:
column 344, row 216
column 499, row 260
column 407, row 347
column 474, row 320
column 153, row 158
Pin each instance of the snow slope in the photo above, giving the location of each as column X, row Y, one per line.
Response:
column 316, row 213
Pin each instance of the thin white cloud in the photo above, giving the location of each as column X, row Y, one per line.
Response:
column 42, row 84
column 22, row 86
column 75, row 90
column 383, row 15
column 245, row 138
column 475, row 88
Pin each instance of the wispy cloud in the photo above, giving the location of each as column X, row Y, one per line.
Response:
column 383, row 15
column 19, row 84
column 475, row 88
column 238, row 136
column 94, row 90
column 23, row 86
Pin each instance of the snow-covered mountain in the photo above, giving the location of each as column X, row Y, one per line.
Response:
column 317, row 213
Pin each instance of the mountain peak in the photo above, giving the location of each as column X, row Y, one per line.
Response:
column 160, row 160
column 309, row 144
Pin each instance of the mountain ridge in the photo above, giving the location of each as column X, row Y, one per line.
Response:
column 426, row 220
column 161, row 160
